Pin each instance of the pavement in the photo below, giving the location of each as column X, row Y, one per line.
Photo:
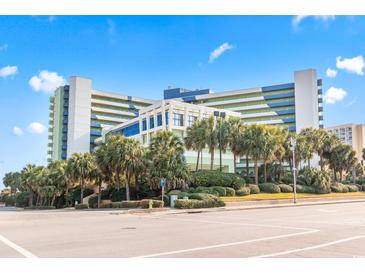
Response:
column 317, row 230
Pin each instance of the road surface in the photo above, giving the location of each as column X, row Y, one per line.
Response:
column 336, row 230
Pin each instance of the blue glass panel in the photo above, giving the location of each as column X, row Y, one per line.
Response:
column 95, row 133
column 144, row 125
column 152, row 122
column 278, row 87
column 159, row 120
column 278, row 96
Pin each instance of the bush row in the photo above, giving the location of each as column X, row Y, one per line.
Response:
column 199, row 200
column 216, row 178
column 40, row 207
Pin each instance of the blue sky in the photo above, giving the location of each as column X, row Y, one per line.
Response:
column 142, row 55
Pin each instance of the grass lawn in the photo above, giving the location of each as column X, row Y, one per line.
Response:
column 278, row 196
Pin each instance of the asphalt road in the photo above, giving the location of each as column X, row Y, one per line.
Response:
column 336, row 230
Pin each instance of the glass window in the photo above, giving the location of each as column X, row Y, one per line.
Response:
column 191, row 120
column 178, row 119
column 152, row 122
column 144, row 124
column 159, row 119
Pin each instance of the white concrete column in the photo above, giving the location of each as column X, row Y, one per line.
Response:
column 169, row 126
column 163, row 114
column 79, row 115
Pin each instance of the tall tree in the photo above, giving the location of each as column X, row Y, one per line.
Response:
column 82, row 165
column 211, row 137
column 235, row 139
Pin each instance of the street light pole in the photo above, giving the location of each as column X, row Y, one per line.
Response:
column 293, row 145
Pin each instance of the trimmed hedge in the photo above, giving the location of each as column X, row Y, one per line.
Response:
column 216, row 178
column 181, row 195
column 230, row 191
column 199, row 200
column 249, row 180
column 22, row 199
column 10, row 200
column 93, row 202
column 106, row 205
column 174, row 192
column 81, row 206
column 254, row 189
column 361, row 181
column 288, row 180
column 203, row 189
column 220, row 189
column 339, row 188
column 126, row 204
column 269, row 188
column 243, row 191
column 285, row 188
column 363, row 188
column 40, row 207
column 155, row 203
column 352, row 188
column 306, row 189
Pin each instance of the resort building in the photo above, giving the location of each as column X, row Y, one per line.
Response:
column 350, row 134
column 80, row 114
column 174, row 116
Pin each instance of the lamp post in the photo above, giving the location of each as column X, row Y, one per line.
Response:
column 293, row 144
column 222, row 115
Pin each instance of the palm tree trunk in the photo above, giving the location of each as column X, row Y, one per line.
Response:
column 256, row 173
column 30, row 201
column 53, row 199
column 82, row 191
column 341, row 175
column 201, row 160
column 127, row 186
column 321, row 161
column 247, row 166
column 99, row 195
column 197, row 161
column 211, row 159
column 265, row 171
column 335, row 174
column 309, row 163
column 234, row 163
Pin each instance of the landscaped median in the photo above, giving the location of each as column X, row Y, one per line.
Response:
column 283, row 196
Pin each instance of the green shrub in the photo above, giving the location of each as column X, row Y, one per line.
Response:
column 208, row 190
column 352, row 188
column 155, row 203
column 363, row 188
column 199, row 200
column 306, row 189
column 22, row 199
column 287, row 180
column 254, row 189
column 126, row 204
column 40, row 207
column 249, row 179
column 10, row 200
column 74, row 194
column 243, row 191
column 230, row 191
column 166, row 199
column 181, row 195
column 220, row 189
column 209, row 178
column 339, row 188
column 361, row 181
column 81, row 206
column 93, row 202
column 269, row 188
column 320, row 180
column 285, row 188
column 106, row 205
column 116, row 204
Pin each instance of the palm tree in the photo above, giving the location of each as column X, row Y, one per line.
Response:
column 271, row 144
column 235, row 139
column 342, row 158
column 254, row 140
column 196, row 139
column 12, row 180
column 167, row 161
column 116, row 156
column 82, row 165
column 133, row 155
column 211, row 136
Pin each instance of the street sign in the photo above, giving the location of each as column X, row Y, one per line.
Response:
column 162, row 183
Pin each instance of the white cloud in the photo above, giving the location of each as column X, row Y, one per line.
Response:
column 334, row 95
column 331, row 73
column 354, row 65
column 46, row 81
column 17, row 131
column 36, row 128
column 111, row 27
column 299, row 18
column 8, row 71
column 219, row 51
column 4, row 47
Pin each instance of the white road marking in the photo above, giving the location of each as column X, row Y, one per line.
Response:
column 310, row 247
column 327, row 210
column 16, row 247
column 227, row 244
